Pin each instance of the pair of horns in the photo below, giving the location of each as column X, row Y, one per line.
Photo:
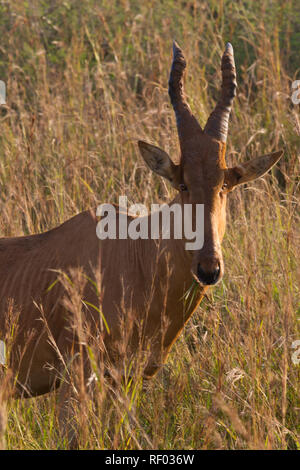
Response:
column 217, row 123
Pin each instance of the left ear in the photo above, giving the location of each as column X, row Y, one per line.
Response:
column 159, row 161
column 252, row 169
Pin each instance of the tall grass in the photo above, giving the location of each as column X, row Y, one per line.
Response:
column 85, row 80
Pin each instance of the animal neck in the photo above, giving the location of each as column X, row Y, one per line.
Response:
column 177, row 294
column 175, row 260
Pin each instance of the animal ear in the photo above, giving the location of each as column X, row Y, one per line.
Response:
column 252, row 169
column 158, row 161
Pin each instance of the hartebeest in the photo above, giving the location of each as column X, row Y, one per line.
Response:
column 144, row 278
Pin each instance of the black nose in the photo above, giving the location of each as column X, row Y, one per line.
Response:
column 208, row 278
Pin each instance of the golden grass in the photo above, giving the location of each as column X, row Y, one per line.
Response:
column 85, row 80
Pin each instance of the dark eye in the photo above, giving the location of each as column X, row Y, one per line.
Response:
column 182, row 187
column 224, row 188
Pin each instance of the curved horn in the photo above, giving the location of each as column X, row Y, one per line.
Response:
column 187, row 124
column 217, row 123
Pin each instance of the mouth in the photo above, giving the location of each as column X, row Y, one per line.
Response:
column 203, row 283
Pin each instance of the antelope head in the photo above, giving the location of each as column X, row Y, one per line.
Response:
column 202, row 175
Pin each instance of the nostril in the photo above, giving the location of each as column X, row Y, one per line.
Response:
column 208, row 277
column 200, row 272
column 217, row 273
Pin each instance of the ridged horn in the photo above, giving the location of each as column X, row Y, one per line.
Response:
column 187, row 124
column 217, row 123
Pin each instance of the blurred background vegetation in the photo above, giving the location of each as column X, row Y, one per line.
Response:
column 85, row 80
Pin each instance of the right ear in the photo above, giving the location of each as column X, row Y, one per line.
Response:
column 159, row 161
column 252, row 169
